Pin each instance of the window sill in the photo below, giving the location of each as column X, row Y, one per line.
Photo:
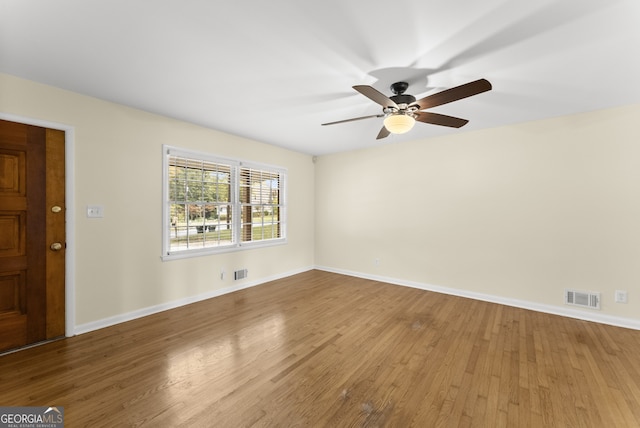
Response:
column 186, row 254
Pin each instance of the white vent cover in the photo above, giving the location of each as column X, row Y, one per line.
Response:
column 240, row 274
column 586, row 299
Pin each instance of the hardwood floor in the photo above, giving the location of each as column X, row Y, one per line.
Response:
column 320, row 349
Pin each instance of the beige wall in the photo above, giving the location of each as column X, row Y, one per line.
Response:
column 118, row 164
column 517, row 212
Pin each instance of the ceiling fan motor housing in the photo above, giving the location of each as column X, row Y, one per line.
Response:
column 400, row 97
column 403, row 99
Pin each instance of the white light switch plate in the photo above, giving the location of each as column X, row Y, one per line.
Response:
column 95, row 211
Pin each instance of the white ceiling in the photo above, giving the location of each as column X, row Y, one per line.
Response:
column 273, row 71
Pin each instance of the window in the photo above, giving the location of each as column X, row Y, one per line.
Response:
column 213, row 204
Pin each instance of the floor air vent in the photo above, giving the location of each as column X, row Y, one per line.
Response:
column 240, row 274
column 585, row 299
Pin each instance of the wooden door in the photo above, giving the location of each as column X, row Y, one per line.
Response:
column 32, row 234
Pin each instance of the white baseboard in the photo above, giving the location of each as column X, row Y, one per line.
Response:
column 550, row 309
column 117, row 319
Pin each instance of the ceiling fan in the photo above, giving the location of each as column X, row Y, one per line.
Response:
column 400, row 111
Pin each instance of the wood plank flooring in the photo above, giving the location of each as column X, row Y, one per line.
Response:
column 325, row 350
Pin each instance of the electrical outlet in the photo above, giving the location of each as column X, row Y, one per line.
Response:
column 621, row 296
column 222, row 274
column 376, row 262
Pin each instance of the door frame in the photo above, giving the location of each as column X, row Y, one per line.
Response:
column 70, row 216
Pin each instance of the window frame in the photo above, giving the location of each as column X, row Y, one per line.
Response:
column 236, row 167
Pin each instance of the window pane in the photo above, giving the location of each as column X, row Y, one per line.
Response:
column 176, row 190
column 179, row 239
column 222, row 192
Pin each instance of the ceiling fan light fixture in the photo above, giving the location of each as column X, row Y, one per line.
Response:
column 399, row 123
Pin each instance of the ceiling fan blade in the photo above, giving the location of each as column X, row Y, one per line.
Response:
column 374, row 95
column 440, row 119
column 355, row 118
column 454, row 94
column 384, row 132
